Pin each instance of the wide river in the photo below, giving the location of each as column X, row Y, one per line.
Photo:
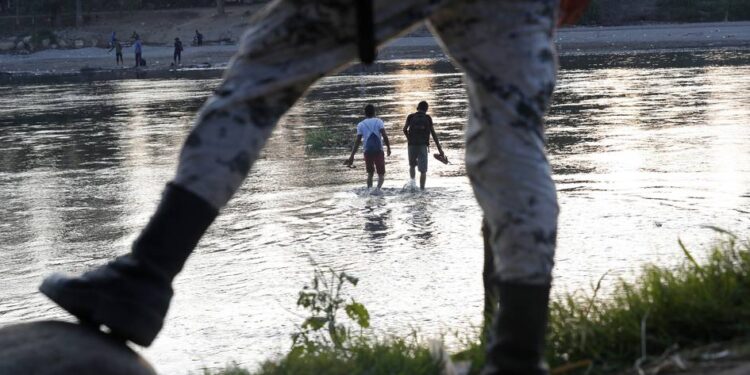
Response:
column 646, row 149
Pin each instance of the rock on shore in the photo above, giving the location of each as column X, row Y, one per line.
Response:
column 57, row 348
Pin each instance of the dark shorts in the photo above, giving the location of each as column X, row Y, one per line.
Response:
column 418, row 157
column 375, row 162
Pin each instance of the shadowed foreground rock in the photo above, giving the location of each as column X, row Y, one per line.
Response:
column 59, row 348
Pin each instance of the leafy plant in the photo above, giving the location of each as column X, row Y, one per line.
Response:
column 324, row 299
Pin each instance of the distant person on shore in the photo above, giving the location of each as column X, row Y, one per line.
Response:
column 177, row 57
column 112, row 39
column 417, row 129
column 198, row 38
column 371, row 131
column 507, row 52
column 138, row 50
column 117, row 46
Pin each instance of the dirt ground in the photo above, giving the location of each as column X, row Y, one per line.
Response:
column 727, row 358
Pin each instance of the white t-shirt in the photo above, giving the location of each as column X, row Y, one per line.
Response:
column 369, row 126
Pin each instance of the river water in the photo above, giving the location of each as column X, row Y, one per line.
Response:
column 646, row 149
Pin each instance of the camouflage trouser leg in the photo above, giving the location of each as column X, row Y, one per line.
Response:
column 289, row 45
column 506, row 50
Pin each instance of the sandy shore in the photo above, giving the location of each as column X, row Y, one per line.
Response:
column 98, row 63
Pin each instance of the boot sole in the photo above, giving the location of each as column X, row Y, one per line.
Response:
column 126, row 320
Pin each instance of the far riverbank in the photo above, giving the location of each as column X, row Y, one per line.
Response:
column 96, row 63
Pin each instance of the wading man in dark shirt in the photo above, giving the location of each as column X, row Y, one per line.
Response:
column 417, row 130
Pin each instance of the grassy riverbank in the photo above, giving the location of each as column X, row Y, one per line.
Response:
column 398, row 356
column 695, row 304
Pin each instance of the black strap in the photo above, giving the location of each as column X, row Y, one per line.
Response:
column 366, row 31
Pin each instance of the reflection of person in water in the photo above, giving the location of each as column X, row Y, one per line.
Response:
column 505, row 48
column 422, row 224
column 376, row 222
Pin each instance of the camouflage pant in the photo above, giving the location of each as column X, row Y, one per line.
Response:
column 505, row 49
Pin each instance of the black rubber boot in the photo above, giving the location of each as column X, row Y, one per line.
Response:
column 516, row 345
column 490, row 285
column 130, row 295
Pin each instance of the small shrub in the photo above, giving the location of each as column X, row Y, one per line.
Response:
column 321, row 138
column 325, row 345
column 232, row 369
column 38, row 36
column 323, row 298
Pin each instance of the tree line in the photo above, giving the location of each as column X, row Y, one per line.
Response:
column 618, row 12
